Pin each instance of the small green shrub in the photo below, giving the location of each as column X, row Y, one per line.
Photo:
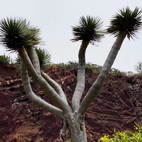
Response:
column 117, row 72
column 69, row 140
column 69, row 65
column 126, row 136
column 4, row 60
column 74, row 65
column 93, row 67
column 138, row 67
column 44, row 58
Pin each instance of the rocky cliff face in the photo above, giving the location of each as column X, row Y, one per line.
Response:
column 118, row 106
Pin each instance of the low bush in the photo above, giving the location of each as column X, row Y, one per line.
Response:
column 4, row 60
column 126, row 136
column 117, row 72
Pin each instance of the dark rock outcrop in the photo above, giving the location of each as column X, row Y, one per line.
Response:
column 118, row 106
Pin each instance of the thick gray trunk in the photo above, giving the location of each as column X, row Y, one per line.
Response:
column 76, row 127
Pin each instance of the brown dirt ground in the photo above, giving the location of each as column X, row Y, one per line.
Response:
column 118, row 106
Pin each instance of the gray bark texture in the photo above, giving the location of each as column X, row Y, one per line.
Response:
column 95, row 88
column 34, row 98
column 47, row 89
column 34, row 58
column 79, row 89
column 76, row 127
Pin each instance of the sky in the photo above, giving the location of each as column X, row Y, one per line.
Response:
column 55, row 19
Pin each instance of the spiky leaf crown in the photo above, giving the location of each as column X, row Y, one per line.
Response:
column 17, row 33
column 88, row 29
column 126, row 21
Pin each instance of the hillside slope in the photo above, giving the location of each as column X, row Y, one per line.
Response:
column 118, row 106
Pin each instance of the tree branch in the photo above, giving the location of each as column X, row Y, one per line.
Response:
column 34, row 58
column 80, row 76
column 35, row 99
column 95, row 88
column 35, row 61
column 55, row 85
column 47, row 89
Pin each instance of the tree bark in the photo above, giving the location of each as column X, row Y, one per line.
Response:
column 34, row 58
column 80, row 77
column 76, row 127
column 95, row 88
column 54, row 85
column 47, row 89
column 36, row 63
column 34, row 98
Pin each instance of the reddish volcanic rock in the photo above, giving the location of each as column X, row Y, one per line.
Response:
column 118, row 106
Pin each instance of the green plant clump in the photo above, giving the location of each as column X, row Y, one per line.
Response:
column 44, row 58
column 126, row 136
column 4, row 60
column 74, row 65
column 117, row 72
